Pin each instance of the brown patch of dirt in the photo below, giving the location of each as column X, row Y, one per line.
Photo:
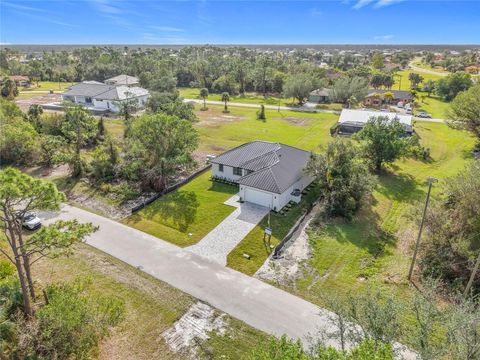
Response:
column 215, row 118
column 24, row 103
column 51, row 172
column 296, row 121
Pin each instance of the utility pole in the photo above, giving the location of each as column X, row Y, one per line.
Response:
column 472, row 276
column 430, row 181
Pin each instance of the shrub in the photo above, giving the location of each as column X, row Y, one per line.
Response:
column 261, row 113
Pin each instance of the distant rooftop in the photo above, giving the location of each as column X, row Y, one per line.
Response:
column 105, row 92
column 122, row 80
column 363, row 116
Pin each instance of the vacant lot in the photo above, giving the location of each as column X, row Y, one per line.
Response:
column 151, row 307
column 186, row 215
column 48, row 85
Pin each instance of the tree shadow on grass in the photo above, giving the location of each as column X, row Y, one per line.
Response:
column 399, row 187
column 178, row 208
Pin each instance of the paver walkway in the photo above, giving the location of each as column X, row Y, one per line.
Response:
column 258, row 304
column 219, row 242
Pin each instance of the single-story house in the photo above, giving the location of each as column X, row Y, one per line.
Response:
column 20, row 80
column 352, row 121
column 98, row 96
column 319, row 96
column 268, row 174
column 123, row 79
column 376, row 97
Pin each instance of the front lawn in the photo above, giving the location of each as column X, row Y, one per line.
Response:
column 253, row 243
column 432, row 105
column 185, row 216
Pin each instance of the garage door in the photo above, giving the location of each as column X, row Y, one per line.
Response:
column 258, row 197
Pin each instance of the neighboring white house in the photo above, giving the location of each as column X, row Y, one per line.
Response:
column 352, row 121
column 98, row 96
column 268, row 174
column 123, row 79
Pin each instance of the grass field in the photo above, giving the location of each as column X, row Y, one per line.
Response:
column 403, row 83
column 151, row 307
column 48, row 85
column 433, row 105
column 219, row 132
column 249, row 98
column 186, row 215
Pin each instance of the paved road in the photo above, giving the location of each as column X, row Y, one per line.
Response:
column 257, row 106
column 256, row 303
column 427, row 71
column 219, row 242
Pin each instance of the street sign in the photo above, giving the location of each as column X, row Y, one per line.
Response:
column 268, row 231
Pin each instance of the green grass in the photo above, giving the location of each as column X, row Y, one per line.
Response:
column 304, row 130
column 433, row 105
column 48, row 85
column 248, row 98
column 151, row 307
column 253, row 243
column 186, row 215
column 377, row 244
column 403, row 83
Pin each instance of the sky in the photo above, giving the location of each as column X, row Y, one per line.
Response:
column 239, row 22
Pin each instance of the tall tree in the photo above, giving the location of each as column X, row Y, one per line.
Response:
column 345, row 87
column 204, row 95
column 161, row 144
column 225, row 99
column 465, row 111
column 383, row 140
column 263, row 72
column 415, row 80
column 449, row 86
column 345, row 180
column 19, row 195
column 299, row 87
column 79, row 128
column 378, row 60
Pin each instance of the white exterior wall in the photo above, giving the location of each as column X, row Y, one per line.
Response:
column 280, row 200
column 227, row 172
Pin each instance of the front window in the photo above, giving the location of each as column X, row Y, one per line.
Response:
column 237, row 171
column 220, row 167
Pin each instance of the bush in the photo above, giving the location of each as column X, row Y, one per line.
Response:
column 72, row 324
column 261, row 113
column 125, row 191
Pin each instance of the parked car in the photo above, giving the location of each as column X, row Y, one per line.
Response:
column 31, row 221
column 424, row 115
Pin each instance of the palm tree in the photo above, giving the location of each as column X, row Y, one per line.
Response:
column 204, row 95
column 225, row 99
column 9, row 89
column 388, row 96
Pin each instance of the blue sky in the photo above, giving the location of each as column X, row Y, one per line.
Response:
column 239, row 22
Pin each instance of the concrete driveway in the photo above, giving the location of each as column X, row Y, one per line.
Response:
column 258, row 304
column 219, row 242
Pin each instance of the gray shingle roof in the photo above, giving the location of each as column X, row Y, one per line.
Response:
column 105, row 92
column 275, row 166
column 122, row 80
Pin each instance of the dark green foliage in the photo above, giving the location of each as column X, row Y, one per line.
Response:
column 383, row 141
column 465, row 111
column 453, row 226
column 158, row 145
column 346, row 87
column 18, row 138
column 299, row 87
column 9, row 89
column 449, row 86
column 171, row 104
column 415, row 79
column 343, row 177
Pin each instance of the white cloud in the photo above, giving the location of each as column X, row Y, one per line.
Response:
column 316, row 12
column 376, row 3
column 383, row 37
column 105, row 7
column 167, row 28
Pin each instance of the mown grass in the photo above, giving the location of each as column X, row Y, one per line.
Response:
column 255, row 246
column 186, row 215
column 48, row 85
column 248, row 98
column 303, row 130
